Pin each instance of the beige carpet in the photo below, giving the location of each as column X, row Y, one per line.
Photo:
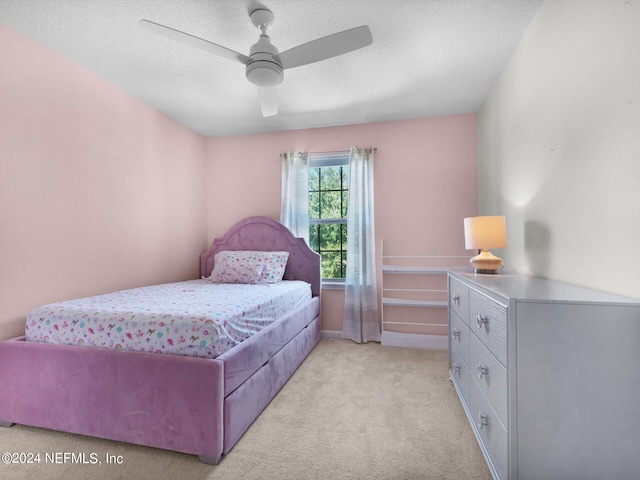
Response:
column 349, row 412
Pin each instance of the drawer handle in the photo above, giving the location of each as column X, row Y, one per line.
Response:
column 456, row 369
column 482, row 370
column 456, row 334
column 480, row 320
column 455, row 298
column 482, row 420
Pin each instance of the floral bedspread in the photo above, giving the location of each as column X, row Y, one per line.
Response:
column 195, row 318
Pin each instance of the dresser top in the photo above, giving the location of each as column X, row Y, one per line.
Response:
column 535, row 289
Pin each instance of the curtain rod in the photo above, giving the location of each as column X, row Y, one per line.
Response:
column 338, row 152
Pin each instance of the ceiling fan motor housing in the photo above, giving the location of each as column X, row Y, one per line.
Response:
column 264, row 70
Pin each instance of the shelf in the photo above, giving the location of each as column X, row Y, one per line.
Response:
column 424, row 322
column 414, row 270
column 401, row 269
column 400, row 302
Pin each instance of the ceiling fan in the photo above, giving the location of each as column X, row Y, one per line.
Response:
column 265, row 64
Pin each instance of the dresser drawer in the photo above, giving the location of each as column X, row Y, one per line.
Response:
column 459, row 299
column 490, row 375
column 460, row 373
column 489, row 323
column 460, row 334
column 493, row 434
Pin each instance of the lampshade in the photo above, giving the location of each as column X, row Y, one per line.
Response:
column 482, row 233
column 485, row 232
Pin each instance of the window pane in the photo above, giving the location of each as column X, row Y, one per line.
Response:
column 330, row 205
column 313, row 237
column 314, row 205
column 345, row 203
column 343, row 230
column 314, row 179
column 345, row 178
column 330, row 237
column 332, row 248
column 331, row 265
column 330, row 178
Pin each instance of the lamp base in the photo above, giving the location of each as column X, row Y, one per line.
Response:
column 486, row 262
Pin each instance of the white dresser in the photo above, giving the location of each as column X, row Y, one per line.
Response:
column 549, row 376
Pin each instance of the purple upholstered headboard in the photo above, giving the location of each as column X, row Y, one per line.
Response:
column 263, row 233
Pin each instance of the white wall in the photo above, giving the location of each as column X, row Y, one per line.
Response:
column 559, row 146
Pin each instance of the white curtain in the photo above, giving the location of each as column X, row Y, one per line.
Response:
column 294, row 206
column 361, row 294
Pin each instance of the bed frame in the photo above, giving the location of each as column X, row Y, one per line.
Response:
column 191, row 405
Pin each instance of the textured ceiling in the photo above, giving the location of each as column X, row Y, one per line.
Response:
column 428, row 57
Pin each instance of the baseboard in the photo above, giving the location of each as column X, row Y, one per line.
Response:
column 414, row 340
column 330, row 334
column 410, row 340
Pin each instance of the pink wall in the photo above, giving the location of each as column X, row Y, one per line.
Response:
column 98, row 191
column 426, row 183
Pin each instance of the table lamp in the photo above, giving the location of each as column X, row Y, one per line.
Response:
column 482, row 233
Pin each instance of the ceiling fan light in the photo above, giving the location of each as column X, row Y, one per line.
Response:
column 264, row 73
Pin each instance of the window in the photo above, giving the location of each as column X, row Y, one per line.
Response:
column 328, row 202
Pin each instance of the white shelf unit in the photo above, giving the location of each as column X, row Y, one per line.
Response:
column 408, row 296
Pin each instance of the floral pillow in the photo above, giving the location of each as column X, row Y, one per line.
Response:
column 276, row 262
column 228, row 267
column 248, row 266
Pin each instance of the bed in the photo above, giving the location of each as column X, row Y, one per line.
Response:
column 185, row 403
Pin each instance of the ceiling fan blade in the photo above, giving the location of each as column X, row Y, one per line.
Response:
column 195, row 42
column 326, row 47
column 268, row 101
